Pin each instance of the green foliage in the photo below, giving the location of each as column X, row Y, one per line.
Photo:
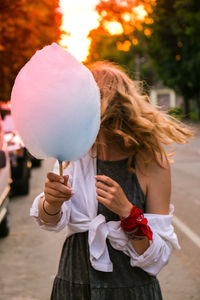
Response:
column 176, row 112
column 104, row 47
column 25, row 26
column 174, row 45
column 193, row 116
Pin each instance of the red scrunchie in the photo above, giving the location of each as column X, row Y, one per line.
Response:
column 136, row 223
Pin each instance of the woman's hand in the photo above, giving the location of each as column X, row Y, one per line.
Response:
column 57, row 190
column 110, row 194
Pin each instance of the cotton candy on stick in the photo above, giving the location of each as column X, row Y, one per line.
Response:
column 55, row 104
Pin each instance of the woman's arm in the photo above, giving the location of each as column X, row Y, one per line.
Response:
column 158, row 192
column 56, row 192
column 53, row 213
column 158, row 189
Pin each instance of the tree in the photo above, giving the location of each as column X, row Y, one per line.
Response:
column 126, row 45
column 25, row 26
column 105, row 46
column 174, row 46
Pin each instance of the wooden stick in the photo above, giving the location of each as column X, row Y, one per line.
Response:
column 60, row 168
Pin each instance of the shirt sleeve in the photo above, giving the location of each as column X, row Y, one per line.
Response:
column 65, row 215
column 65, row 208
column 158, row 253
column 154, row 258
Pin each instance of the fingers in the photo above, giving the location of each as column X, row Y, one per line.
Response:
column 59, row 187
column 104, row 201
column 107, row 180
column 106, row 189
column 56, row 196
column 102, row 193
column 57, row 193
column 66, row 178
column 55, row 177
column 102, row 186
column 55, row 201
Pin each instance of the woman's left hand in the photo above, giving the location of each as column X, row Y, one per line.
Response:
column 110, row 194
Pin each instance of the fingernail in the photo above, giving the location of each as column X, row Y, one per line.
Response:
column 62, row 180
column 72, row 192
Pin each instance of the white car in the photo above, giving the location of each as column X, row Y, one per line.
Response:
column 20, row 161
column 4, row 185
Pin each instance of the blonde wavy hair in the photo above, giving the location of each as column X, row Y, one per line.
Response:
column 129, row 120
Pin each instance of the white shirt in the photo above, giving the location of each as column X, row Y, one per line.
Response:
column 79, row 214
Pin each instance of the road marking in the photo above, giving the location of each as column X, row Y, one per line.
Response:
column 3, row 213
column 187, row 231
column 4, row 194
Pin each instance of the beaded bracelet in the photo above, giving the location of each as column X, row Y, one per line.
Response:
column 47, row 211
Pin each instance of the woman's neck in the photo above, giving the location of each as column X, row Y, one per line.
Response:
column 110, row 152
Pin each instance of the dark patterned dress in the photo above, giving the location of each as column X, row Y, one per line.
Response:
column 78, row 280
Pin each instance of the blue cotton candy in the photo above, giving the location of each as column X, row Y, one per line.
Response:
column 55, row 105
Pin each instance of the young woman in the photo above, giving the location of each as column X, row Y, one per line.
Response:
column 112, row 249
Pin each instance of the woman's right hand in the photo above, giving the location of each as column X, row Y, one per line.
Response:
column 57, row 190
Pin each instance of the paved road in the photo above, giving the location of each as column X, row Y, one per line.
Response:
column 29, row 256
column 180, row 279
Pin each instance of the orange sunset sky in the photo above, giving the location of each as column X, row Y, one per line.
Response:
column 79, row 17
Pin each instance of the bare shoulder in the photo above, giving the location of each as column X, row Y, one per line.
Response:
column 159, row 187
column 157, row 182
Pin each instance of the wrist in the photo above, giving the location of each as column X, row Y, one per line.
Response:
column 135, row 224
column 49, row 209
column 126, row 211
